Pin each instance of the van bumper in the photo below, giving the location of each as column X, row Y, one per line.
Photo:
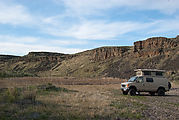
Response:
column 125, row 89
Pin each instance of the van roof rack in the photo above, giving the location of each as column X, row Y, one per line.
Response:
column 151, row 70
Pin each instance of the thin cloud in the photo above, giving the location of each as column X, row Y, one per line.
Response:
column 98, row 30
column 95, row 6
column 69, row 42
column 35, row 40
column 164, row 26
column 20, row 39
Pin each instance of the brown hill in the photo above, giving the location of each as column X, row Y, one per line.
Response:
column 156, row 52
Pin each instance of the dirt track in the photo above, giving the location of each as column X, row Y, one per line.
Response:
column 163, row 108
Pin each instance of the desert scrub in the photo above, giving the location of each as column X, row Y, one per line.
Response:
column 9, row 74
column 49, row 88
column 18, row 95
column 11, row 95
column 30, row 93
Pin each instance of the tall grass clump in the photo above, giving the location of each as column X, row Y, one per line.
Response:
column 19, row 95
column 12, row 95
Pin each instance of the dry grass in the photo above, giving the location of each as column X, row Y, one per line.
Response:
column 71, row 98
column 81, row 99
column 26, row 81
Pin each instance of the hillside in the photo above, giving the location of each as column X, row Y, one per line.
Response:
column 156, row 52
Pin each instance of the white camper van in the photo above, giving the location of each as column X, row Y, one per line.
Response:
column 147, row 80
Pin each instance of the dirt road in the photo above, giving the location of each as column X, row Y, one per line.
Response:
column 163, row 108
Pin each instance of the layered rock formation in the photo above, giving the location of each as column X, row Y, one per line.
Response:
column 5, row 58
column 104, row 53
column 156, row 52
column 155, row 46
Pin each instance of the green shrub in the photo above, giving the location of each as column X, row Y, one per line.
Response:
column 8, row 74
column 50, row 87
column 18, row 95
column 12, row 95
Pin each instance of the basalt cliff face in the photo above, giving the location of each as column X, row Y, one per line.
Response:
column 156, row 52
column 109, row 52
column 155, row 46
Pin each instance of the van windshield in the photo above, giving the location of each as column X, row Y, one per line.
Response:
column 132, row 79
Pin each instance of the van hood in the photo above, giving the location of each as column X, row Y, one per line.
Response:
column 125, row 83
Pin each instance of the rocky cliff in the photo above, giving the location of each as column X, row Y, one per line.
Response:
column 5, row 58
column 156, row 52
column 104, row 53
column 155, row 46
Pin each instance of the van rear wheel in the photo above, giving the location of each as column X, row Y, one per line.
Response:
column 161, row 92
column 132, row 92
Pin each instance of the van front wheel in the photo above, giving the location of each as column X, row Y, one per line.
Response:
column 125, row 92
column 132, row 92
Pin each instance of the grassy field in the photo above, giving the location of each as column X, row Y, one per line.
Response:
column 71, row 98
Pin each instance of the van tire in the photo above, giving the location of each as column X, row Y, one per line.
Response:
column 169, row 85
column 152, row 93
column 132, row 92
column 161, row 92
column 124, row 92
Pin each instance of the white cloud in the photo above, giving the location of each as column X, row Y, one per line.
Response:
column 14, row 14
column 22, row 49
column 78, row 28
column 22, row 45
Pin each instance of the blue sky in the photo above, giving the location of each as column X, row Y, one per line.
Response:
column 71, row 26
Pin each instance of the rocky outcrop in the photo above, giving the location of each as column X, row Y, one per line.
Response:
column 5, row 58
column 104, row 53
column 155, row 46
column 43, row 56
column 38, row 54
column 153, row 43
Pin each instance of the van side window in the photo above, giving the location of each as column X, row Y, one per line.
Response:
column 147, row 73
column 159, row 73
column 149, row 80
column 140, row 79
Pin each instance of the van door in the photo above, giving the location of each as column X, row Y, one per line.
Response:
column 140, row 84
column 149, row 84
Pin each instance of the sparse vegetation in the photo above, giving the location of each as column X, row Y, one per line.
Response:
column 45, row 98
column 15, row 74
